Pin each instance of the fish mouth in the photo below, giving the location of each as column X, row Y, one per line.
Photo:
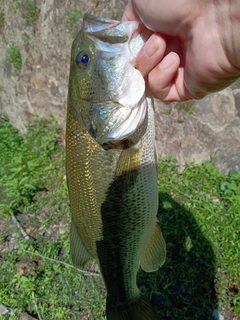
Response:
column 118, row 119
column 121, row 128
column 119, row 123
column 130, row 132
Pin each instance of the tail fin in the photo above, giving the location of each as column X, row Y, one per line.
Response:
column 137, row 310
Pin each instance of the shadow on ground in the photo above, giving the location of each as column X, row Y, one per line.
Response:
column 184, row 287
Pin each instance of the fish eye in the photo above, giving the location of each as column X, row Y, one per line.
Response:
column 82, row 59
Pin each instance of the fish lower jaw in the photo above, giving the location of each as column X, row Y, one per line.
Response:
column 128, row 140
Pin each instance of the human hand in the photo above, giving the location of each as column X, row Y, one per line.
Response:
column 193, row 49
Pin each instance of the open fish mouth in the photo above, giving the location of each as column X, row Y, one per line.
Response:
column 118, row 117
column 120, row 129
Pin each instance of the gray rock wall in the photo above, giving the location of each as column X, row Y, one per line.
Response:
column 195, row 130
column 207, row 129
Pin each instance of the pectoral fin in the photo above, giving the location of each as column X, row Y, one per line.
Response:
column 154, row 254
column 127, row 167
column 78, row 251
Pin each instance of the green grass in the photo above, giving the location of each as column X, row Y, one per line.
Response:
column 13, row 56
column 199, row 213
column 33, row 184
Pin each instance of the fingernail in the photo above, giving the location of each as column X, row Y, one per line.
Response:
column 167, row 61
column 152, row 45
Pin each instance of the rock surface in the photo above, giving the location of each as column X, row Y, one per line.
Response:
column 195, row 130
column 202, row 130
column 6, row 311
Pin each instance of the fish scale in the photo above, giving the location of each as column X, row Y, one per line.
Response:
column 113, row 191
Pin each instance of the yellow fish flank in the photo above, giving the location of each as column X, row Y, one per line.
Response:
column 111, row 164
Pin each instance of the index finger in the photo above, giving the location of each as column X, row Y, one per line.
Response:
column 129, row 13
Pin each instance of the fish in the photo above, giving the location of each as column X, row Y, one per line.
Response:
column 111, row 164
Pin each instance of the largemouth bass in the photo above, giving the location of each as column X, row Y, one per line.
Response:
column 111, row 164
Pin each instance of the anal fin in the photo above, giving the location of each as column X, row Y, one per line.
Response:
column 154, row 253
column 78, row 251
